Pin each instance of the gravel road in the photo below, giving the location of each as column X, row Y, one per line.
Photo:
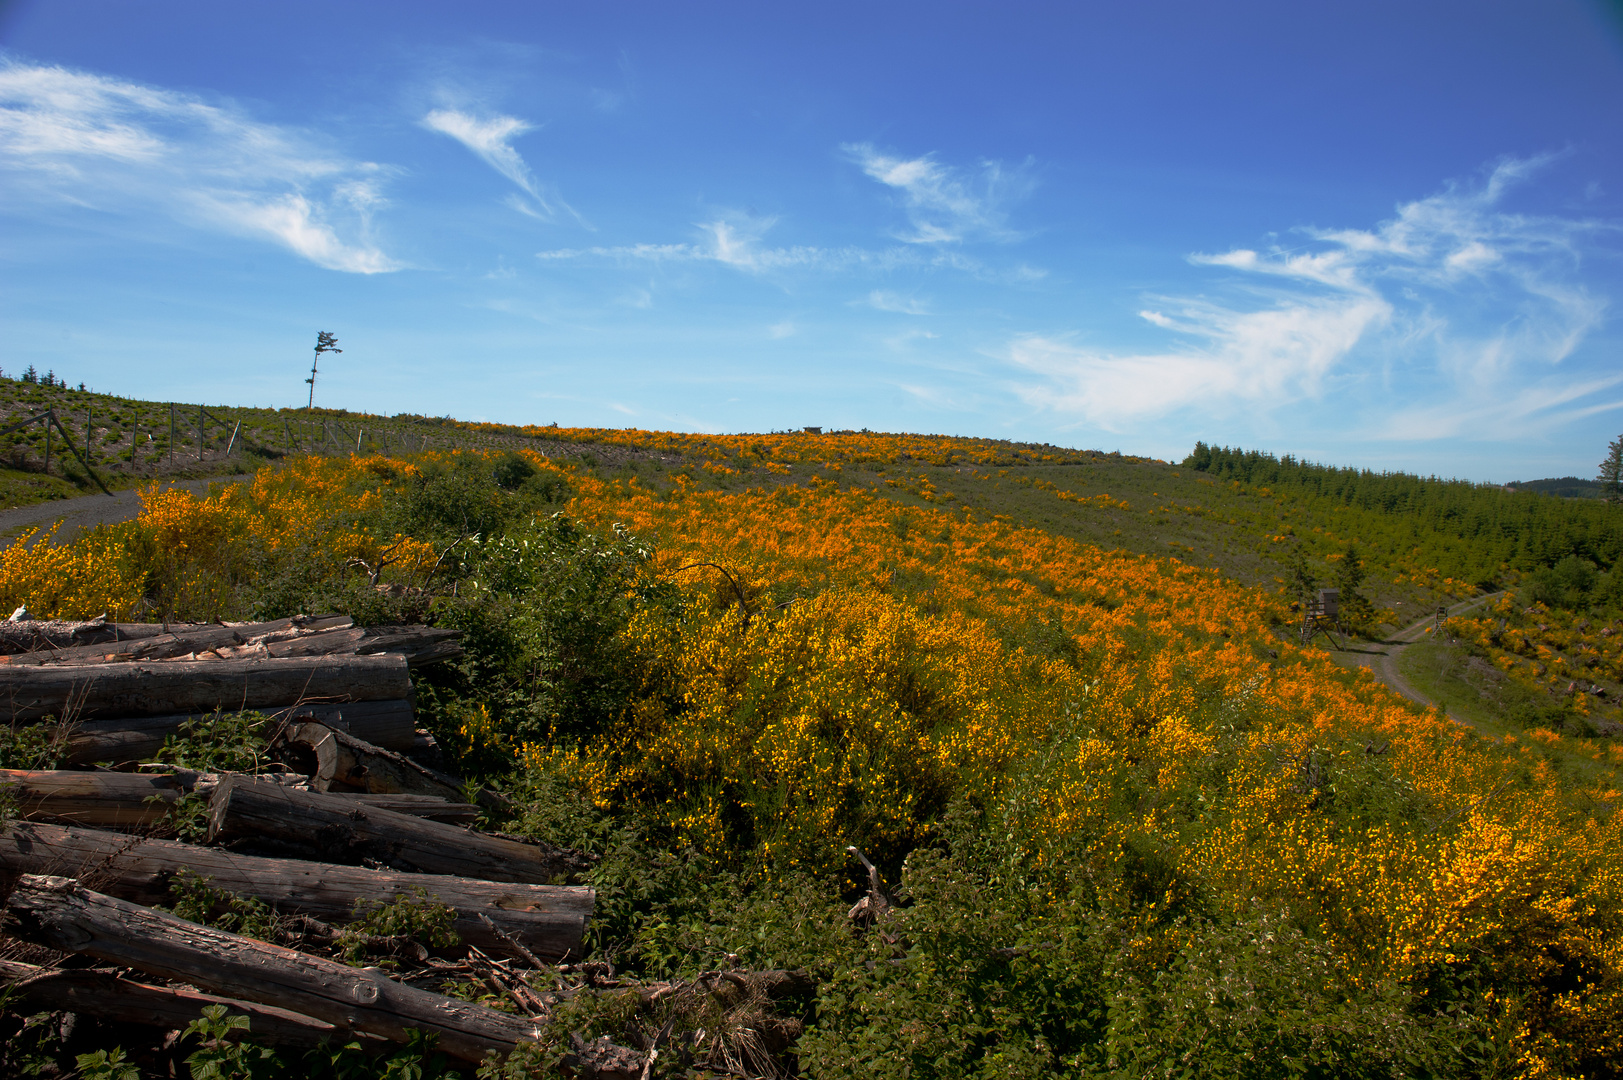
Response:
column 88, row 511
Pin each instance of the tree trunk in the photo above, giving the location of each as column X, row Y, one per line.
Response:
column 284, row 821
column 186, row 686
column 59, row 912
column 548, row 919
column 21, row 637
column 389, row 724
column 179, row 641
column 106, row 996
column 92, row 798
column 132, row 800
column 339, row 762
column 419, row 644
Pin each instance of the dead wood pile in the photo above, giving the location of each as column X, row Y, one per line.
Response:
column 347, row 817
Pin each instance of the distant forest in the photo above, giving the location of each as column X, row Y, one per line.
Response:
column 1567, row 487
column 1473, row 532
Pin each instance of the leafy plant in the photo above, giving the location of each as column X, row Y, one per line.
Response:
column 219, row 1056
column 220, row 742
column 108, row 1065
column 415, row 915
column 196, row 901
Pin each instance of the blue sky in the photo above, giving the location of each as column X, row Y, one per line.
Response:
column 1388, row 234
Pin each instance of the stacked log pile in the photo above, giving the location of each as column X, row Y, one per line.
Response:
column 348, row 813
column 347, row 821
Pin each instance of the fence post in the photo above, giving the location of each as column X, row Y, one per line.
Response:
column 233, row 441
column 360, row 433
column 47, row 445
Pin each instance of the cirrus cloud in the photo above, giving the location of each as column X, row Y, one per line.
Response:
column 74, row 139
column 1478, row 304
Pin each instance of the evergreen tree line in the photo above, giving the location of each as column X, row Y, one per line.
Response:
column 1488, row 526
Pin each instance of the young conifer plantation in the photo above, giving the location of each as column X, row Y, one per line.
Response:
column 903, row 756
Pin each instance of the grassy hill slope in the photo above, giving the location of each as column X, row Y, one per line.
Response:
column 1123, row 820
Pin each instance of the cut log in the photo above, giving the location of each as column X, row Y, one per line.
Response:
column 131, row 800
column 336, row 761
column 334, row 641
column 549, row 919
column 92, row 798
column 431, row 807
column 419, row 644
column 149, row 688
column 182, row 641
column 309, row 824
column 106, row 996
column 31, row 634
column 62, row 914
column 389, row 724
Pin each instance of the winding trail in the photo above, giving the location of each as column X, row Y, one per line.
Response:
column 1381, row 657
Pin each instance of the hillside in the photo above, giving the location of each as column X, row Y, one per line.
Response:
column 1119, row 817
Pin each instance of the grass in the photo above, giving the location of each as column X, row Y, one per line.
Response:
column 1474, row 692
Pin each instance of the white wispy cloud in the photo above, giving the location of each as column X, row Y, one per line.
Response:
column 79, row 139
column 736, row 240
column 885, row 300
column 491, row 139
column 946, row 204
column 1453, row 290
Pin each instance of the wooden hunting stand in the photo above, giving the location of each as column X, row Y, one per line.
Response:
column 1322, row 615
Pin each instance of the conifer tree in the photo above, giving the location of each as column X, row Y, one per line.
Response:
column 1611, row 472
column 1356, row 610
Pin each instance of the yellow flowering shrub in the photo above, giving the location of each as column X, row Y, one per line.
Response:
column 854, row 668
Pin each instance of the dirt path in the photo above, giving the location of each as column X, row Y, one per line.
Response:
column 88, row 511
column 1381, row 657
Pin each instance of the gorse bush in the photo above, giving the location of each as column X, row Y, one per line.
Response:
column 1130, row 832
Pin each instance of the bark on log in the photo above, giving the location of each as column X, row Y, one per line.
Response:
column 106, row 996
column 161, row 688
column 336, row 761
column 21, row 637
column 93, row 798
column 389, row 724
column 59, row 912
column 431, row 807
column 346, row 640
column 183, row 641
column 282, row 821
column 131, row 800
column 549, row 919
column 419, row 644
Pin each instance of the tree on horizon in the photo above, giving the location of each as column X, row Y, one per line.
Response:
column 1611, row 472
